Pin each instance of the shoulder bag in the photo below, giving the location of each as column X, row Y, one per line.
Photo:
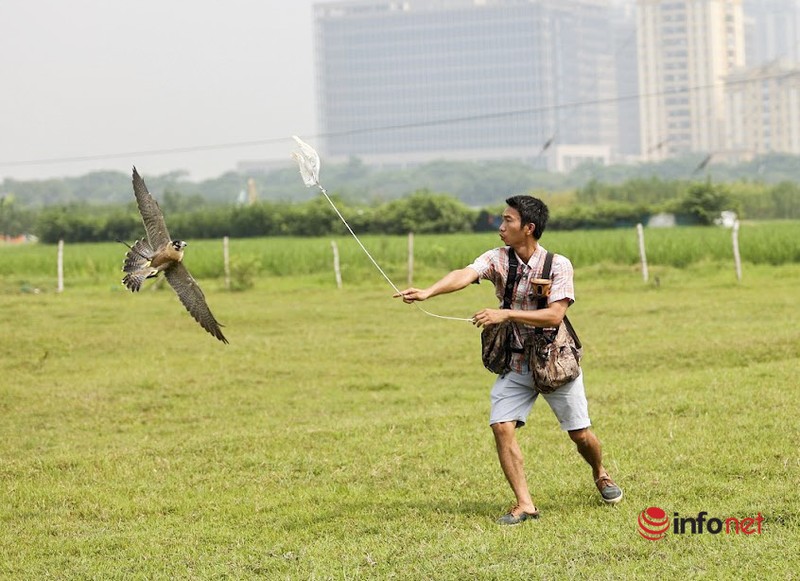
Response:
column 554, row 356
column 496, row 339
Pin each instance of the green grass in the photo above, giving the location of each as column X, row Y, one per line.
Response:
column 344, row 435
column 92, row 264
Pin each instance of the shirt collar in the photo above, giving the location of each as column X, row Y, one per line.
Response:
column 537, row 257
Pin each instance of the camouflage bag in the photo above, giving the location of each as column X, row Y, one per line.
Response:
column 496, row 340
column 495, row 347
column 554, row 356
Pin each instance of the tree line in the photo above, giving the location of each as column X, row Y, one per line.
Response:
column 593, row 206
column 477, row 184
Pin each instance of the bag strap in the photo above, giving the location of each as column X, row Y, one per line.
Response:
column 548, row 263
column 542, row 303
column 511, row 279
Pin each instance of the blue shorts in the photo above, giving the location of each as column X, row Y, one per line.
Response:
column 513, row 397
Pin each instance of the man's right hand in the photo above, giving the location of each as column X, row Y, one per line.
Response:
column 412, row 294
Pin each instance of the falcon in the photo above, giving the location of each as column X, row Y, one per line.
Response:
column 160, row 253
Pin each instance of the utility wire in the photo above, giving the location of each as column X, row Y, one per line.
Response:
column 380, row 129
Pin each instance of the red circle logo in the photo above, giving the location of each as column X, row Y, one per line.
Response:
column 653, row 523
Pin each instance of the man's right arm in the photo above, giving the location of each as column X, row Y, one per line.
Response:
column 451, row 282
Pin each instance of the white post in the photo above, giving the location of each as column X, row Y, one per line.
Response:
column 410, row 258
column 642, row 253
column 226, row 262
column 60, row 266
column 736, row 257
column 336, row 269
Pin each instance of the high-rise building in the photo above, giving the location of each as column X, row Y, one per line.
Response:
column 414, row 80
column 686, row 49
column 623, row 37
column 773, row 31
column 764, row 110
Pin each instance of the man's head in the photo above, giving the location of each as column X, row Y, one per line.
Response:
column 531, row 211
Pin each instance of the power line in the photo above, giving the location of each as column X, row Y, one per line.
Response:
column 381, row 129
column 147, row 152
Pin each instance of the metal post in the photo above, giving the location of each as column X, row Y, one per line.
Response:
column 642, row 253
column 60, row 267
column 336, row 269
column 410, row 258
column 226, row 262
column 736, row 257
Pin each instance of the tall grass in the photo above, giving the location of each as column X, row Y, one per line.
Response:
column 760, row 243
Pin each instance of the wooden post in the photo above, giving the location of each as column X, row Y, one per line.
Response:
column 642, row 253
column 226, row 263
column 60, row 267
column 336, row 269
column 736, row 257
column 410, row 258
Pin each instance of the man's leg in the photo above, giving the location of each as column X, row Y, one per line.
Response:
column 569, row 404
column 512, row 400
column 510, row 456
column 589, row 447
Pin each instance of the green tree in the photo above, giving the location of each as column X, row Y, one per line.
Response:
column 425, row 213
column 704, row 202
column 786, row 200
column 13, row 219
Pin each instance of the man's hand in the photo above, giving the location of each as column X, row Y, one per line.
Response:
column 490, row 317
column 412, row 294
column 453, row 281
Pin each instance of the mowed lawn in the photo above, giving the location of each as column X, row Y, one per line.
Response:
column 343, row 434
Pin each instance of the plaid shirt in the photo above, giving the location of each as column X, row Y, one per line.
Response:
column 492, row 265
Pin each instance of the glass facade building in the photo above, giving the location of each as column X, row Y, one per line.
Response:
column 404, row 81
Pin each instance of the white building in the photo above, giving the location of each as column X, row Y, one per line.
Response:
column 686, row 50
column 764, row 110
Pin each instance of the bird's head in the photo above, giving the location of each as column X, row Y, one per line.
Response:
column 178, row 245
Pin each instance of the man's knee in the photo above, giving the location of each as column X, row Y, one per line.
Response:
column 581, row 437
column 504, row 430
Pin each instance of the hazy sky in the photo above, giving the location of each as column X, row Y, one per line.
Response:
column 94, row 78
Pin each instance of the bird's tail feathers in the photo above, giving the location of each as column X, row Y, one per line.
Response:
column 134, row 280
column 137, row 265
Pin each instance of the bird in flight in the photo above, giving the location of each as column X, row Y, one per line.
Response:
column 160, row 253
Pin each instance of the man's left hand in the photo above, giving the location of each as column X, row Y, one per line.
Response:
column 490, row 317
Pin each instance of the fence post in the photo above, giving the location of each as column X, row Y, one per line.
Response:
column 736, row 257
column 60, row 266
column 336, row 269
column 642, row 253
column 410, row 258
column 227, row 263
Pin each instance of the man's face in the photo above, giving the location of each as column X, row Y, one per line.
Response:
column 512, row 231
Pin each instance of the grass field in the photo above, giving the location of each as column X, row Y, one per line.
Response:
column 771, row 243
column 344, row 435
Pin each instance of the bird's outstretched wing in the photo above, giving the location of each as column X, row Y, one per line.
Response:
column 152, row 217
column 193, row 299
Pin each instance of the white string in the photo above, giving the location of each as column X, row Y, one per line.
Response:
column 308, row 163
column 397, row 290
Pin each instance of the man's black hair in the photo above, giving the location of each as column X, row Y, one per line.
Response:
column 531, row 211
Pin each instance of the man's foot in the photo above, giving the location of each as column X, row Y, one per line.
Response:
column 609, row 491
column 516, row 515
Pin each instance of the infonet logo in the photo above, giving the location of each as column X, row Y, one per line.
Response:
column 654, row 524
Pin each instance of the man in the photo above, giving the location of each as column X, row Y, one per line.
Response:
column 513, row 395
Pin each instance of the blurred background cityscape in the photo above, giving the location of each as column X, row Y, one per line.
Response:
column 556, row 84
column 473, row 98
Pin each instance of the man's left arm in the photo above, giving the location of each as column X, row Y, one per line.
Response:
column 551, row 316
